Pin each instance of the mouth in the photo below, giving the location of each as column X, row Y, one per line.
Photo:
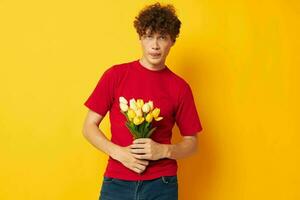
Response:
column 155, row 55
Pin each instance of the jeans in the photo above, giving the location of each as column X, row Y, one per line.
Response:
column 162, row 188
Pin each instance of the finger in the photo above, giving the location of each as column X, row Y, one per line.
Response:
column 140, row 167
column 141, row 140
column 143, row 162
column 141, row 156
column 137, row 170
column 138, row 151
column 137, row 146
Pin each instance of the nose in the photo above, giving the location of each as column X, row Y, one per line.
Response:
column 155, row 44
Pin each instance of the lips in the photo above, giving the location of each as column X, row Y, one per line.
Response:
column 154, row 54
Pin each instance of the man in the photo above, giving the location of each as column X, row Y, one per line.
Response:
column 144, row 168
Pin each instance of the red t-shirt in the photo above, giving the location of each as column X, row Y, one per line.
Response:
column 168, row 91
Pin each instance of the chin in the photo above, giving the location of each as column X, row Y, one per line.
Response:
column 154, row 61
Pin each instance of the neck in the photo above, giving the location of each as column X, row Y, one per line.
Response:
column 150, row 66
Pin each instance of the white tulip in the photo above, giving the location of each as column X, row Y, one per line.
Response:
column 124, row 107
column 132, row 104
column 146, row 108
column 123, row 100
column 150, row 104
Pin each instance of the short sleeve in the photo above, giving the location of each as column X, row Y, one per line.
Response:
column 101, row 98
column 187, row 118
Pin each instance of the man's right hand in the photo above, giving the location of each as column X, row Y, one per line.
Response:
column 123, row 155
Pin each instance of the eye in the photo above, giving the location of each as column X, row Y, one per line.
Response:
column 163, row 37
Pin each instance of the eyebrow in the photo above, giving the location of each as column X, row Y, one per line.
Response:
column 160, row 34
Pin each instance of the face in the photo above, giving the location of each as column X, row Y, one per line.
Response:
column 155, row 48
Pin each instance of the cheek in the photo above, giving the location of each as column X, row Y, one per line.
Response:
column 145, row 46
column 166, row 50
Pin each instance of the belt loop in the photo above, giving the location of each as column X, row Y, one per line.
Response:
column 164, row 179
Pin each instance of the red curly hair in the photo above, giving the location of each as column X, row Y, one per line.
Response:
column 158, row 18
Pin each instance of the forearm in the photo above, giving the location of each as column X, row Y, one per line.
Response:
column 97, row 138
column 180, row 150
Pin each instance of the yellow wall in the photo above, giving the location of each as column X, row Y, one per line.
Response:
column 244, row 59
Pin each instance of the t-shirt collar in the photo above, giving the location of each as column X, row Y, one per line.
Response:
column 138, row 64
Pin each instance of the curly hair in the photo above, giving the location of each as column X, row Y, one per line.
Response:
column 158, row 18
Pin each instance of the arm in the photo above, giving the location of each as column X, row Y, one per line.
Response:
column 153, row 151
column 183, row 149
column 96, row 137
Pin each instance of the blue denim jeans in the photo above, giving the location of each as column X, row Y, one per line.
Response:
column 162, row 188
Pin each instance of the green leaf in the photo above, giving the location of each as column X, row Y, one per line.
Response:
column 147, row 127
column 142, row 129
column 147, row 124
column 150, row 132
column 131, row 130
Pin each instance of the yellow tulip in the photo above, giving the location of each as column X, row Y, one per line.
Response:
column 149, row 117
column 139, row 103
column 138, row 120
column 158, row 118
column 131, row 114
column 155, row 112
column 139, row 112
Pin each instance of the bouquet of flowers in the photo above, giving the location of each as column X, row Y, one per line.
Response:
column 139, row 116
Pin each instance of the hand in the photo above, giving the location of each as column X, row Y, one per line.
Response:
column 127, row 158
column 146, row 148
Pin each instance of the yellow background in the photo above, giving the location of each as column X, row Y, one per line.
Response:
column 240, row 57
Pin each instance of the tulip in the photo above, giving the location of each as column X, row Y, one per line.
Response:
column 149, row 117
column 146, row 108
column 124, row 107
column 158, row 118
column 138, row 112
column 150, row 103
column 123, row 100
column 155, row 112
column 138, row 120
column 132, row 104
column 131, row 114
column 140, row 103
